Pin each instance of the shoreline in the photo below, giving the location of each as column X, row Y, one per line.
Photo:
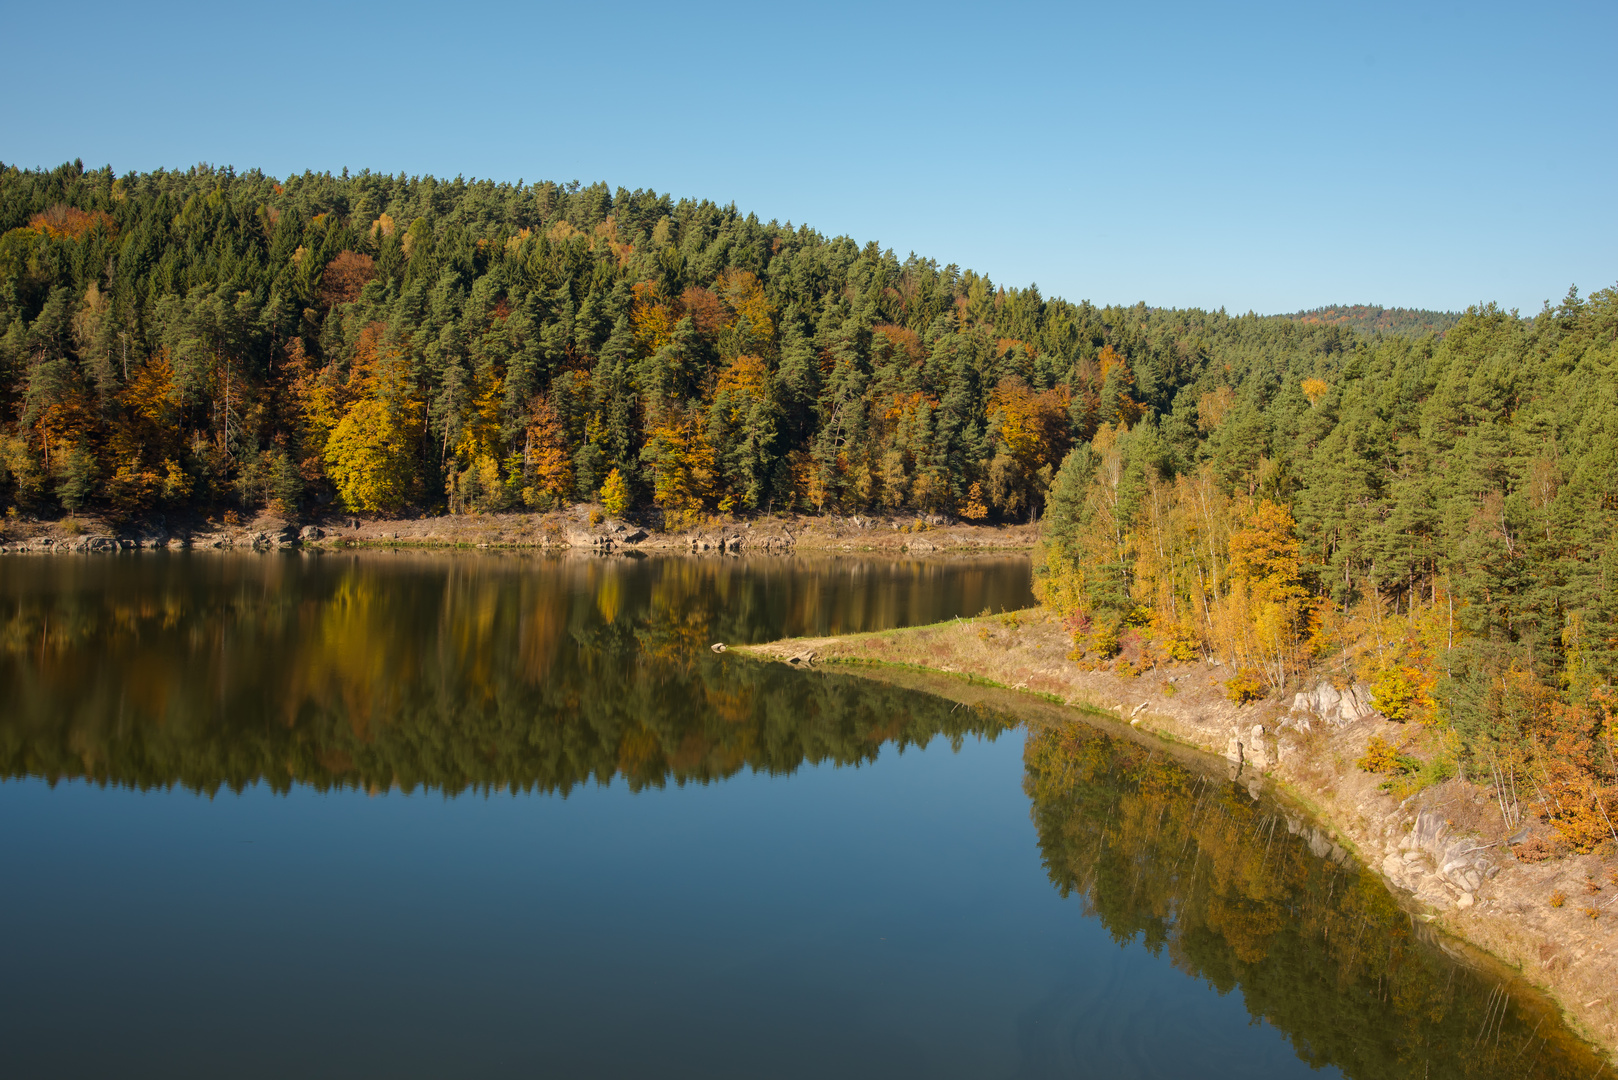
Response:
column 580, row 528
column 1436, row 851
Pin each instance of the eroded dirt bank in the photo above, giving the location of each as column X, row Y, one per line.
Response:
column 1444, row 849
column 579, row 528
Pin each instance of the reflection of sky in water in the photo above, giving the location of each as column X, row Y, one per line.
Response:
column 789, row 873
column 889, row 920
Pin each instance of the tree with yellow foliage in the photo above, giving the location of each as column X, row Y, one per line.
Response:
column 370, row 457
column 680, row 459
column 370, row 454
column 1259, row 622
column 615, row 494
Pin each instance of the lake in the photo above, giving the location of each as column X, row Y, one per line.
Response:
column 493, row 815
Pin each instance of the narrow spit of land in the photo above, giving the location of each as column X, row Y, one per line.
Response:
column 1443, row 849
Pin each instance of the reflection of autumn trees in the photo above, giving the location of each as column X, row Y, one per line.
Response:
column 450, row 673
column 1232, row 889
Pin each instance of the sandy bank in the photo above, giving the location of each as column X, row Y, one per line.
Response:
column 571, row 529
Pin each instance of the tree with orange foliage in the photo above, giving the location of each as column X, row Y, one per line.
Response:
column 71, row 223
column 547, row 466
column 1033, row 436
column 145, row 445
column 344, row 277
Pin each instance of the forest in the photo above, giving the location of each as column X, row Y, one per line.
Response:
column 1421, row 501
column 224, row 343
column 1431, row 517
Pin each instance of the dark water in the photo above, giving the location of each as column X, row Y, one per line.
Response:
column 486, row 816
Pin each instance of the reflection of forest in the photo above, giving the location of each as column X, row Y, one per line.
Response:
column 452, row 673
column 1231, row 888
column 480, row 674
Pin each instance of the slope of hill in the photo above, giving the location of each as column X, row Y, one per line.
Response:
column 1371, row 319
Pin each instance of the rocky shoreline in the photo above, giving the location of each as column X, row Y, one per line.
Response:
column 579, row 529
column 1444, row 849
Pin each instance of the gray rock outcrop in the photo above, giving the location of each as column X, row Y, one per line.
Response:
column 1438, row 866
column 1333, row 706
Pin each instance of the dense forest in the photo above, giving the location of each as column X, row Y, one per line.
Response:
column 1428, row 505
column 228, row 342
column 1432, row 516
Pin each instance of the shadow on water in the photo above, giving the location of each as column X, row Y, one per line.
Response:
column 476, row 674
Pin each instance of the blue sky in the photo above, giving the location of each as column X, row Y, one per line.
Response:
column 1251, row 156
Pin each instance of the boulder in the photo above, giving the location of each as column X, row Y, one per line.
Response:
column 1326, row 702
column 635, row 537
column 311, row 532
column 1461, row 862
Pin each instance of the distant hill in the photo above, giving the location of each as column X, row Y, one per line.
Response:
column 1408, row 322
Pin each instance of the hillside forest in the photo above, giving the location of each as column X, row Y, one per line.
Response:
column 1420, row 501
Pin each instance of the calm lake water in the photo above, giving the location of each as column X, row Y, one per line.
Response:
column 449, row 815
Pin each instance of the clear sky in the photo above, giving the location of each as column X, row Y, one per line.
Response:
column 1251, row 156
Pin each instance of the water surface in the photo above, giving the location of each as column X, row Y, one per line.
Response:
column 431, row 815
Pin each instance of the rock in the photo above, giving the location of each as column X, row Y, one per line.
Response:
column 635, row 537
column 311, row 532
column 718, row 646
column 1326, row 702
column 1464, row 901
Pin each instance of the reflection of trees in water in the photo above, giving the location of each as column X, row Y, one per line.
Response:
column 1184, row 863
column 482, row 674
column 452, row 673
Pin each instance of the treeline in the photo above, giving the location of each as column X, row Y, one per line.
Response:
column 228, row 342
column 1434, row 517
